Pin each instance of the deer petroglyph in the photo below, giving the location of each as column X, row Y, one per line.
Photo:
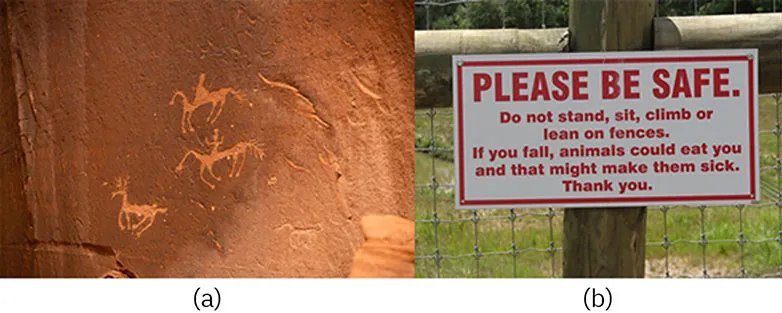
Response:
column 203, row 97
column 236, row 153
column 144, row 213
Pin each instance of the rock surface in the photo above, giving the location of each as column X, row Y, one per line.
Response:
column 201, row 138
column 389, row 249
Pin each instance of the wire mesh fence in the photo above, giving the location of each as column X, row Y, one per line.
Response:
column 682, row 241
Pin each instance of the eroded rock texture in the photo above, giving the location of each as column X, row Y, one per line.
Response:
column 389, row 249
column 201, row 138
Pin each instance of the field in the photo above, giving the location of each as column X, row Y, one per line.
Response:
column 716, row 241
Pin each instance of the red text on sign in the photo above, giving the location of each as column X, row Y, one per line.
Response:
column 613, row 89
column 684, row 83
column 531, row 86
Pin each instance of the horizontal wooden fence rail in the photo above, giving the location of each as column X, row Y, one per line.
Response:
column 433, row 48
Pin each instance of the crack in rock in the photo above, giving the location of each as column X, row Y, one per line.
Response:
column 88, row 247
column 120, row 272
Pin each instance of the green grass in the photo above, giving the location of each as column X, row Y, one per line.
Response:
column 457, row 234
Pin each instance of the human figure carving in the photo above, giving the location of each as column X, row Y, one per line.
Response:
column 216, row 141
column 237, row 153
column 206, row 162
column 203, row 97
column 144, row 213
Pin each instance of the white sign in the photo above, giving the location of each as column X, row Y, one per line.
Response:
column 606, row 129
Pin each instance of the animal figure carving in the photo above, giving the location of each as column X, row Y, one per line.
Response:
column 236, row 153
column 144, row 213
column 203, row 97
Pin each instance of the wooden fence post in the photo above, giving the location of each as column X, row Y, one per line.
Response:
column 607, row 242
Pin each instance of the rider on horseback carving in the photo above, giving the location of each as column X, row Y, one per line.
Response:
column 215, row 142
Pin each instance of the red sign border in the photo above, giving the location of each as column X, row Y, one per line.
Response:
column 616, row 60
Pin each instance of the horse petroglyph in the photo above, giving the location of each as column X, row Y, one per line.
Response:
column 203, row 97
column 236, row 153
column 144, row 213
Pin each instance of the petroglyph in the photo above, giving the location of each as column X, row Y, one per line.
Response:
column 330, row 161
column 375, row 97
column 217, row 244
column 250, row 19
column 352, row 113
column 199, row 204
column 299, row 229
column 236, row 153
column 144, row 214
column 300, row 237
column 351, row 122
column 206, row 161
column 310, row 113
column 204, row 97
column 345, row 42
column 294, row 165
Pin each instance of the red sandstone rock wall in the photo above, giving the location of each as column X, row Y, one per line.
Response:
column 388, row 250
column 302, row 123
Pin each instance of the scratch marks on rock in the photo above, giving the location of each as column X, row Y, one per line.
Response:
column 250, row 19
column 294, row 165
column 351, row 122
column 215, row 242
column 375, row 97
column 89, row 248
column 310, row 112
column 330, row 161
column 364, row 88
column 299, row 229
column 344, row 41
column 199, row 204
column 26, row 112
